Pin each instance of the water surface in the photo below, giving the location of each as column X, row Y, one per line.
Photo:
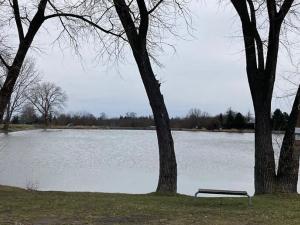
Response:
column 123, row 160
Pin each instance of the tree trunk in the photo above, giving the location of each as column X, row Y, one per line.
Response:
column 6, row 126
column 261, row 92
column 14, row 69
column 7, row 118
column 264, row 175
column 288, row 166
column 46, row 124
column 12, row 76
column 167, row 160
column 7, row 89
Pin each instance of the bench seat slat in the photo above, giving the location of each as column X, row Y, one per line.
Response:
column 224, row 192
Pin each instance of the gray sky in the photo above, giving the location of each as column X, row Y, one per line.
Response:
column 206, row 72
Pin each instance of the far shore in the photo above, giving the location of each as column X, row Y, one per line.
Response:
column 24, row 127
column 151, row 128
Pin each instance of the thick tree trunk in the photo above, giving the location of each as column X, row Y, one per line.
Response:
column 288, row 166
column 14, row 69
column 264, row 172
column 12, row 76
column 7, row 89
column 264, row 154
column 167, row 160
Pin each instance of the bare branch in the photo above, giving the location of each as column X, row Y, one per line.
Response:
column 144, row 23
column 154, row 8
column 18, row 20
column 259, row 43
column 85, row 20
column 285, row 9
column 4, row 62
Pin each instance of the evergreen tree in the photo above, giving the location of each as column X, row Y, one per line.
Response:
column 229, row 119
column 279, row 120
column 239, row 121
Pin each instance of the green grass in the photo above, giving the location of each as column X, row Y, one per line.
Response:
column 19, row 206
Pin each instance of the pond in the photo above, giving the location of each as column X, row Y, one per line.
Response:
column 123, row 161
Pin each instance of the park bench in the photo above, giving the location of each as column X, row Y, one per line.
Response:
column 224, row 192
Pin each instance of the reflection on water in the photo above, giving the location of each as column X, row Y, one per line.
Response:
column 123, row 161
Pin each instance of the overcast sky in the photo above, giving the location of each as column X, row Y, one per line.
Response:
column 206, row 72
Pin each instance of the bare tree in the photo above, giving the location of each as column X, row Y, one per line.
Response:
column 28, row 114
column 136, row 20
column 196, row 118
column 28, row 17
column 28, row 77
column 141, row 24
column 47, row 98
column 261, row 60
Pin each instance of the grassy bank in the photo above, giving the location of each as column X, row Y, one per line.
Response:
column 19, row 206
column 18, row 127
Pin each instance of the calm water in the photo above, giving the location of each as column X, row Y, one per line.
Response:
column 123, row 161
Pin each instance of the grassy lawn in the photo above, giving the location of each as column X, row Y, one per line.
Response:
column 20, row 207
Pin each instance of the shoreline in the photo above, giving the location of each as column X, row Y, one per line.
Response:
column 21, row 127
column 24, row 127
column 148, row 128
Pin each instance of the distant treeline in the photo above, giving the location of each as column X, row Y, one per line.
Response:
column 195, row 119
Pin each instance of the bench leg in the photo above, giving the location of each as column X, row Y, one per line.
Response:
column 249, row 201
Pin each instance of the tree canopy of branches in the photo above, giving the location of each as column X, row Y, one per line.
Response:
column 47, row 98
column 261, row 59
